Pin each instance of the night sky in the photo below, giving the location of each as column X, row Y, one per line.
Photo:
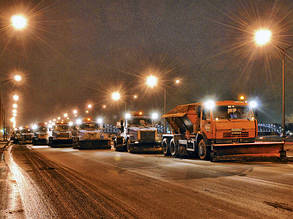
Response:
column 75, row 52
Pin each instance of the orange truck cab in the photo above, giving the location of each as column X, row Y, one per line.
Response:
column 215, row 130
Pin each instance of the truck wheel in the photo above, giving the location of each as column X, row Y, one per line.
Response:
column 174, row 150
column 166, row 148
column 203, row 150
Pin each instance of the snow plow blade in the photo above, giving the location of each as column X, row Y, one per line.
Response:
column 246, row 151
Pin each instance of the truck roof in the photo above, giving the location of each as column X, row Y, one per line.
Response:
column 181, row 110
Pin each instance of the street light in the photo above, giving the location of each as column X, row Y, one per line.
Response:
column 151, row 81
column 116, row 96
column 262, row 37
column 15, row 97
column 18, row 21
column 17, row 78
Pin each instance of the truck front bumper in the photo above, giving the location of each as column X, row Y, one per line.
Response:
column 147, row 147
column 94, row 144
column 62, row 142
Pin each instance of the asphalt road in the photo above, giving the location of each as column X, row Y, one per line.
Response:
column 68, row 183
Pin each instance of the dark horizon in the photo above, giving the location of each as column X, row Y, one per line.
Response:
column 74, row 53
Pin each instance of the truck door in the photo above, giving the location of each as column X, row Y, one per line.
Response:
column 206, row 120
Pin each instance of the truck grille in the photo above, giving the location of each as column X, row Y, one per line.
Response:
column 147, row 136
column 63, row 135
column 27, row 137
column 235, row 134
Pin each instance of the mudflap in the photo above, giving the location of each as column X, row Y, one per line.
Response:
column 247, row 151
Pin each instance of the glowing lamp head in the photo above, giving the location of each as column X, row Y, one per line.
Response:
column 89, row 106
column 70, row 123
column 20, row 128
column 210, row 104
column 34, row 127
column 127, row 115
column 65, row 115
column 116, row 96
column 135, row 96
column 100, row 120
column 78, row 121
column 74, row 111
column 104, row 106
column 15, row 97
column 14, row 105
column 18, row 22
column 151, row 81
column 17, row 78
column 155, row 116
column 14, row 111
column 262, row 37
column 177, row 81
column 253, row 104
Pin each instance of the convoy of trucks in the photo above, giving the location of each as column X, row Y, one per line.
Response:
column 221, row 130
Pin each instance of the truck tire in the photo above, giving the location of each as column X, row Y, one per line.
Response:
column 203, row 150
column 166, row 147
column 174, row 150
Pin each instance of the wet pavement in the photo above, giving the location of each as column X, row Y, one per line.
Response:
column 68, row 183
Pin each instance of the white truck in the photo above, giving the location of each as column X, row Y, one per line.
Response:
column 92, row 136
column 137, row 134
column 61, row 136
column 40, row 135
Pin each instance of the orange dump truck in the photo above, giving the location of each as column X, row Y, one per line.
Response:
column 222, row 130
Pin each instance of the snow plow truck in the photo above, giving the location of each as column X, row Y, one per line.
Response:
column 222, row 130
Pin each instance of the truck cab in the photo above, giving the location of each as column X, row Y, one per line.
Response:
column 137, row 134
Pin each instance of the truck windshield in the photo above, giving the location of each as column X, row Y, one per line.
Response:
column 140, row 121
column 89, row 126
column 232, row 112
column 61, row 128
column 26, row 131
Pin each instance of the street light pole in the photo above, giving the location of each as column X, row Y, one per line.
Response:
column 165, row 108
column 283, row 95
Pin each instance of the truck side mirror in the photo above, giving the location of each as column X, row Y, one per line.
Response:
column 255, row 113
